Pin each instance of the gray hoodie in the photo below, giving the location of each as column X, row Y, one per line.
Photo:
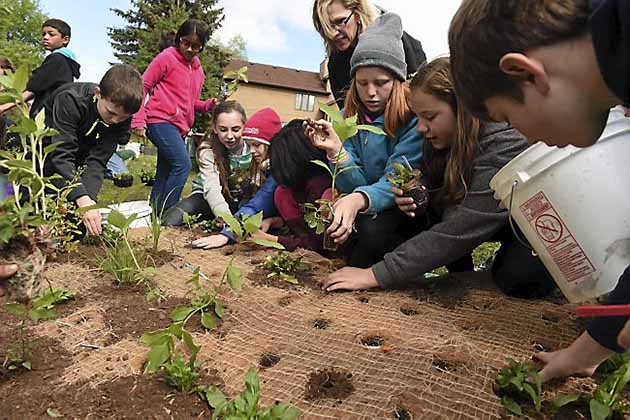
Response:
column 464, row 226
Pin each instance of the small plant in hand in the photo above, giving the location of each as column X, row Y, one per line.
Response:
column 20, row 354
column 285, row 266
column 345, row 128
column 608, row 400
column 123, row 180
column 246, row 404
column 516, row 383
column 147, row 177
column 407, row 179
column 235, row 77
column 37, row 218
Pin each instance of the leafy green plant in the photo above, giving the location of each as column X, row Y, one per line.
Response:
column 608, row 399
column 210, row 226
column 235, row 77
column 517, row 382
column 404, row 177
column 319, row 217
column 147, row 177
column 246, row 404
column 180, row 374
column 122, row 261
column 285, row 266
column 37, row 216
column 190, row 221
column 20, row 354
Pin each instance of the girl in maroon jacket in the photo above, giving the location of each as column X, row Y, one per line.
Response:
column 299, row 182
column 173, row 81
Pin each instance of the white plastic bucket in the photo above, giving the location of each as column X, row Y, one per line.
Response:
column 141, row 209
column 573, row 206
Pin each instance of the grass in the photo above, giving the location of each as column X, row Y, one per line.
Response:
column 111, row 194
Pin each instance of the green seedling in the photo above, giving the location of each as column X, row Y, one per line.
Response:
column 608, row 399
column 235, row 77
column 180, row 374
column 404, row 177
column 285, row 266
column 147, row 177
column 517, row 382
column 246, row 404
column 211, row 226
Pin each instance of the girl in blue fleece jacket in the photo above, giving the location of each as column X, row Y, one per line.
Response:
column 377, row 96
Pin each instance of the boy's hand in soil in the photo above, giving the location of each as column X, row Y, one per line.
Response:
column 405, row 204
column 6, row 271
column 91, row 218
column 581, row 358
column 345, row 212
column 210, row 242
column 350, row 278
column 323, row 136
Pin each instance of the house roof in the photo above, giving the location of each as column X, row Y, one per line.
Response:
column 281, row 77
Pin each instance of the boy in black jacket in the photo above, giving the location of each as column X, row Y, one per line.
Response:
column 553, row 69
column 58, row 68
column 92, row 120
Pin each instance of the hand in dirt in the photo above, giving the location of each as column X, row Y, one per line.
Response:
column 140, row 132
column 581, row 358
column 271, row 222
column 405, row 204
column 323, row 136
column 345, row 212
column 349, row 278
column 210, row 242
column 6, row 271
column 260, row 235
column 623, row 339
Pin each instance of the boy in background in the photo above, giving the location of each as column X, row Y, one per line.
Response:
column 552, row 69
column 58, row 68
column 92, row 120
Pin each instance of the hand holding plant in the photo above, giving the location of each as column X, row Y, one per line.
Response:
column 323, row 136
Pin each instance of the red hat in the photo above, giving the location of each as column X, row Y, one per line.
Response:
column 262, row 126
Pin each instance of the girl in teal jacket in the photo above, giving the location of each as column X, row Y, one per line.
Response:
column 377, row 97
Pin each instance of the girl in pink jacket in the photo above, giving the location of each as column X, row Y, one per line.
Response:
column 173, row 81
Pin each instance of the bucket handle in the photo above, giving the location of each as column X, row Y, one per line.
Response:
column 516, row 235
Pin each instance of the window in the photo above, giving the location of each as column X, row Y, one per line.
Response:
column 305, row 102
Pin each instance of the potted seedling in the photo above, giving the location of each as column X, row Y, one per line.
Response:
column 408, row 179
column 322, row 215
column 285, row 266
column 36, row 218
column 147, row 177
column 517, row 383
column 123, row 180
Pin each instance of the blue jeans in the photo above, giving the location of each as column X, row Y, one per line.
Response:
column 173, row 165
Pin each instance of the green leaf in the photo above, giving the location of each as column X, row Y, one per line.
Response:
column 158, row 355
column 251, row 379
column 346, row 169
column 20, row 78
column 48, row 149
column 284, row 411
column 511, row 406
column 331, row 112
column 190, row 343
column 234, row 277
column 7, row 81
column 563, row 399
column 372, row 129
column 208, row 321
column 181, row 312
column 252, row 223
column 599, row 411
column 233, row 225
column 533, row 394
column 27, row 365
column 345, row 131
column 267, row 244
column 54, row 413
column 8, row 97
column 214, row 397
column 153, row 337
column 117, row 219
column 16, row 309
column 290, row 279
column 218, row 309
column 323, row 165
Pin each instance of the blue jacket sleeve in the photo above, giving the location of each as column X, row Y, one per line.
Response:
column 379, row 193
column 353, row 178
column 261, row 201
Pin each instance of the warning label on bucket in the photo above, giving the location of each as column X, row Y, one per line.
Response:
column 560, row 243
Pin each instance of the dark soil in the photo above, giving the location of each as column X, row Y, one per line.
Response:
column 259, row 278
column 329, row 384
column 401, row 414
column 409, row 310
column 373, row 341
column 268, row 360
column 163, row 257
column 320, row 323
column 450, row 361
column 133, row 397
column 286, row 300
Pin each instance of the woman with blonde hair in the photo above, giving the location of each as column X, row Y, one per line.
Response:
column 460, row 156
column 340, row 22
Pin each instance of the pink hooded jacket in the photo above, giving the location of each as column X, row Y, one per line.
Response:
column 174, row 87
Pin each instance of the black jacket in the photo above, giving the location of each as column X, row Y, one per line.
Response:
column 339, row 65
column 56, row 70
column 610, row 28
column 86, row 140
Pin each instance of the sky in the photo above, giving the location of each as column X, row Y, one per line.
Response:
column 280, row 33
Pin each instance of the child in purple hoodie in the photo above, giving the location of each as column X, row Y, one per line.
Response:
column 173, row 81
